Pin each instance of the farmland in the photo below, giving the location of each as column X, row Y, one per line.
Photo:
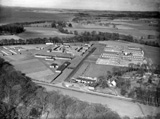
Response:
column 9, row 37
column 136, row 31
column 40, row 32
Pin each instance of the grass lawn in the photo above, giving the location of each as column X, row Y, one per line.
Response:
column 82, row 69
column 17, row 57
column 29, row 66
column 45, row 75
column 96, row 70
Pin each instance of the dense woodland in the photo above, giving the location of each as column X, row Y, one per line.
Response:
column 11, row 29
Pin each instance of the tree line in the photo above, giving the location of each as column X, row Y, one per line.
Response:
column 104, row 36
column 83, row 37
column 11, row 29
column 115, row 15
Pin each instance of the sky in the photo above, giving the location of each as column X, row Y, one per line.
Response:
column 119, row 5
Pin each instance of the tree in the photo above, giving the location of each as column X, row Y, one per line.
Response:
column 70, row 25
column 75, row 33
column 53, row 24
column 123, row 91
column 7, row 112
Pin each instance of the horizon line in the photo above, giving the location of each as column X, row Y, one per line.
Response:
column 83, row 9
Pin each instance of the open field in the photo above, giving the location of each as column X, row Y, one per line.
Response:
column 82, row 69
column 18, row 57
column 93, row 70
column 10, row 37
column 40, row 32
column 45, row 75
column 35, row 69
column 120, row 43
column 136, row 24
column 123, row 30
column 29, row 66
column 136, row 28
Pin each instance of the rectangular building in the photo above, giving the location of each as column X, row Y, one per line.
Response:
column 62, row 67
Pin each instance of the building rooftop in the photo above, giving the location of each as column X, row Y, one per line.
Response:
column 63, row 66
column 113, row 53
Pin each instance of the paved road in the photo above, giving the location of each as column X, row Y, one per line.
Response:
column 121, row 106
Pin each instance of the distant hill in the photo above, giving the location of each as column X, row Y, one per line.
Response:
column 17, row 14
column 22, row 14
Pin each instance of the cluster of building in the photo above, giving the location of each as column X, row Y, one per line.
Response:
column 5, row 51
column 53, row 57
column 70, row 49
column 121, row 55
column 85, row 80
column 59, row 69
column 90, row 80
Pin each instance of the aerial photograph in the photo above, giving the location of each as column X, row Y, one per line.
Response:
column 79, row 59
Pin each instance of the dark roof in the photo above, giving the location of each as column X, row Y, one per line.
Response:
column 54, row 64
column 63, row 66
